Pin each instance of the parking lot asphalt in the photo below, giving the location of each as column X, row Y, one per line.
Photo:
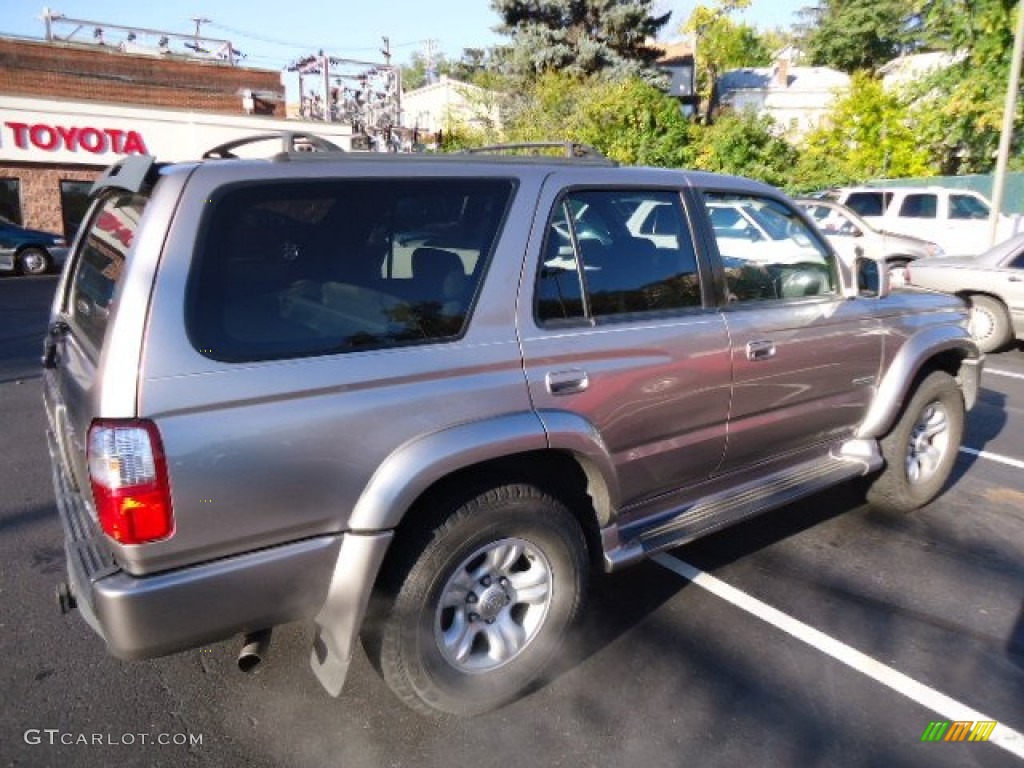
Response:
column 823, row 634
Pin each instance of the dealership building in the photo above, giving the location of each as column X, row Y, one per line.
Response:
column 69, row 110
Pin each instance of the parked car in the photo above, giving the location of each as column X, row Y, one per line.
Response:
column 992, row 284
column 271, row 398
column 956, row 219
column 851, row 236
column 29, row 251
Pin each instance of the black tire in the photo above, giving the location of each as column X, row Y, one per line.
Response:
column 989, row 324
column 471, row 557
column 922, row 446
column 34, row 261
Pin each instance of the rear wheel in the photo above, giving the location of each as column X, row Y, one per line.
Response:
column 479, row 610
column 921, row 449
column 989, row 324
column 33, row 261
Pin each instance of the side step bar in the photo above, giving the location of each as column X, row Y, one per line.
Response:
column 624, row 546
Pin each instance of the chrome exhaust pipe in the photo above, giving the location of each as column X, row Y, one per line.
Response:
column 254, row 648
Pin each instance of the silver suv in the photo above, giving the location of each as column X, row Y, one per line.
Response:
column 415, row 399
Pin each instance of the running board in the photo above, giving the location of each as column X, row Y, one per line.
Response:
column 727, row 507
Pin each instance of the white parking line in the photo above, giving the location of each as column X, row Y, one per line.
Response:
column 947, row 708
column 993, row 457
column 1008, row 374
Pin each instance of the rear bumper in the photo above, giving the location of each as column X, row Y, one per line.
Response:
column 145, row 616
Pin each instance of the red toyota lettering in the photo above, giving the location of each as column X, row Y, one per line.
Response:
column 44, row 137
column 92, row 141
column 20, row 131
column 133, row 143
column 69, row 136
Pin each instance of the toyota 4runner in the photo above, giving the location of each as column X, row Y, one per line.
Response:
column 415, row 399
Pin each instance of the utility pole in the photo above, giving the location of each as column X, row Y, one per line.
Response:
column 325, row 62
column 1006, row 136
column 386, row 50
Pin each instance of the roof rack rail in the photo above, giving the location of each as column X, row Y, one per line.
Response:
column 291, row 142
column 569, row 149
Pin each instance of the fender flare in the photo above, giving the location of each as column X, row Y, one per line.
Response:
column 908, row 362
column 415, row 466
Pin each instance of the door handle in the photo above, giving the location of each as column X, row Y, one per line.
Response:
column 1014, row 279
column 566, row 382
column 760, row 350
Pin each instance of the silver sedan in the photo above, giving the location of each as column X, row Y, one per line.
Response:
column 992, row 283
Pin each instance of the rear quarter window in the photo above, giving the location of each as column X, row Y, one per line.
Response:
column 100, row 263
column 296, row 269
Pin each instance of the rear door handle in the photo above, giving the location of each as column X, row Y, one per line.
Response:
column 566, row 382
column 760, row 350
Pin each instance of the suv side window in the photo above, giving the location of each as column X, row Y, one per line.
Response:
column 920, row 206
column 100, row 264
column 767, row 249
column 291, row 269
column 967, row 207
column 609, row 253
column 868, row 203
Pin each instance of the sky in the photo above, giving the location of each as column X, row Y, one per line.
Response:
column 271, row 36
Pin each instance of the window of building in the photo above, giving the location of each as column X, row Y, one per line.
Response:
column 74, row 202
column 10, row 200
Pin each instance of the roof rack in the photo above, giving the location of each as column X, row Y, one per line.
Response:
column 292, row 142
column 569, row 149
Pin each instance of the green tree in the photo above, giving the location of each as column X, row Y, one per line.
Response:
column 869, row 134
column 744, row 144
column 629, row 120
column 959, row 108
column 722, row 44
column 580, row 37
column 853, row 35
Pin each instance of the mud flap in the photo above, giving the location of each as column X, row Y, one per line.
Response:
column 341, row 616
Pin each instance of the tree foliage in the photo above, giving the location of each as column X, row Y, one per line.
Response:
column 869, row 134
column 629, row 120
column 744, row 144
column 579, row 37
column 959, row 108
column 854, row 35
column 722, row 44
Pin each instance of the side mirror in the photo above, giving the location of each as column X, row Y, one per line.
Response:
column 869, row 278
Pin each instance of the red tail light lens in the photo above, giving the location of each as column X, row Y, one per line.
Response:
column 128, row 474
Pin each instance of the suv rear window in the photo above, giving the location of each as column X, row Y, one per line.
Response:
column 294, row 269
column 100, row 263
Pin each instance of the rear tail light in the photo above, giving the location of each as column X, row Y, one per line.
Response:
column 128, row 474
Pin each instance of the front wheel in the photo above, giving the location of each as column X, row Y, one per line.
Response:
column 921, row 448
column 479, row 611
column 33, row 261
column 989, row 324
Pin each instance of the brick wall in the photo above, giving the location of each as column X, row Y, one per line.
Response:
column 94, row 73
column 40, row 191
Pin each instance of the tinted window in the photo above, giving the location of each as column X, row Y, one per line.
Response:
column 868, row 203
column 780, row 259
column 100, row 262
column 629, row 251
column 967, row 207
column 10, row 200
column 294, row 269
column 918, row 206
